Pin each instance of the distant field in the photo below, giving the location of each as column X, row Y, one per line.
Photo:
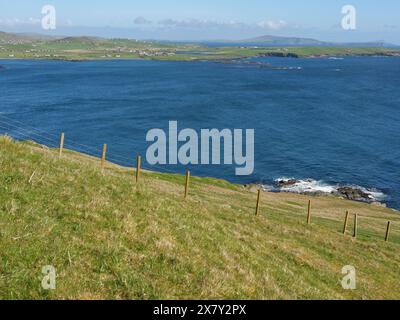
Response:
column 86, row 48
column 111, row 238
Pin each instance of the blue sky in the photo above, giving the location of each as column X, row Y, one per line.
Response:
column 207, row 19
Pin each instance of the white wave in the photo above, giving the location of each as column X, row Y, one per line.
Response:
column 306, row 186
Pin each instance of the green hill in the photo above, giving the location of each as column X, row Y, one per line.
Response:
column 112, row 238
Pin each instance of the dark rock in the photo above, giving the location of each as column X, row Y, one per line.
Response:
column 285, row 183
column 354, row 194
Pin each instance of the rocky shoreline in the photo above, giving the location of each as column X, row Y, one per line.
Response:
column 353, row 193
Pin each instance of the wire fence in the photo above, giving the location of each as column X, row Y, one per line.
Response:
column 372, row 228
column 20, row 131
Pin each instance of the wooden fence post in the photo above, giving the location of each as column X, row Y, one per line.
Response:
column 309, row 212
column 187, row 183
column 61, row 145
column 387, row 232
column 103, row 156
column 258, row 202
column 346, row 219
column 355, row 225
column 138, row 164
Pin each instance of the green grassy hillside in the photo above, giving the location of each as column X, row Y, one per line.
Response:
column 111, row 238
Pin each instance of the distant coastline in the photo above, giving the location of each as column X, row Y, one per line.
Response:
column 208, row 58
column 75, row 49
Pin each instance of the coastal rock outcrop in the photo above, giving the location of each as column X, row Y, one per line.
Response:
column 313, row 187
column 316, row 188
column 354, row 194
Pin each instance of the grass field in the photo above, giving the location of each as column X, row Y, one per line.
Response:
column 111, row 238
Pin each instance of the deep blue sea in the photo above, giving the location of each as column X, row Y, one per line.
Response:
column 336, row 121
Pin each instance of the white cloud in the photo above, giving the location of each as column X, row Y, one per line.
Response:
column 186, row 23
column 195, row 23
column 12, row 22
column 141, row 20
column 273, row 25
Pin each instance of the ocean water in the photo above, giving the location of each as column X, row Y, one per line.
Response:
column 335, row 121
